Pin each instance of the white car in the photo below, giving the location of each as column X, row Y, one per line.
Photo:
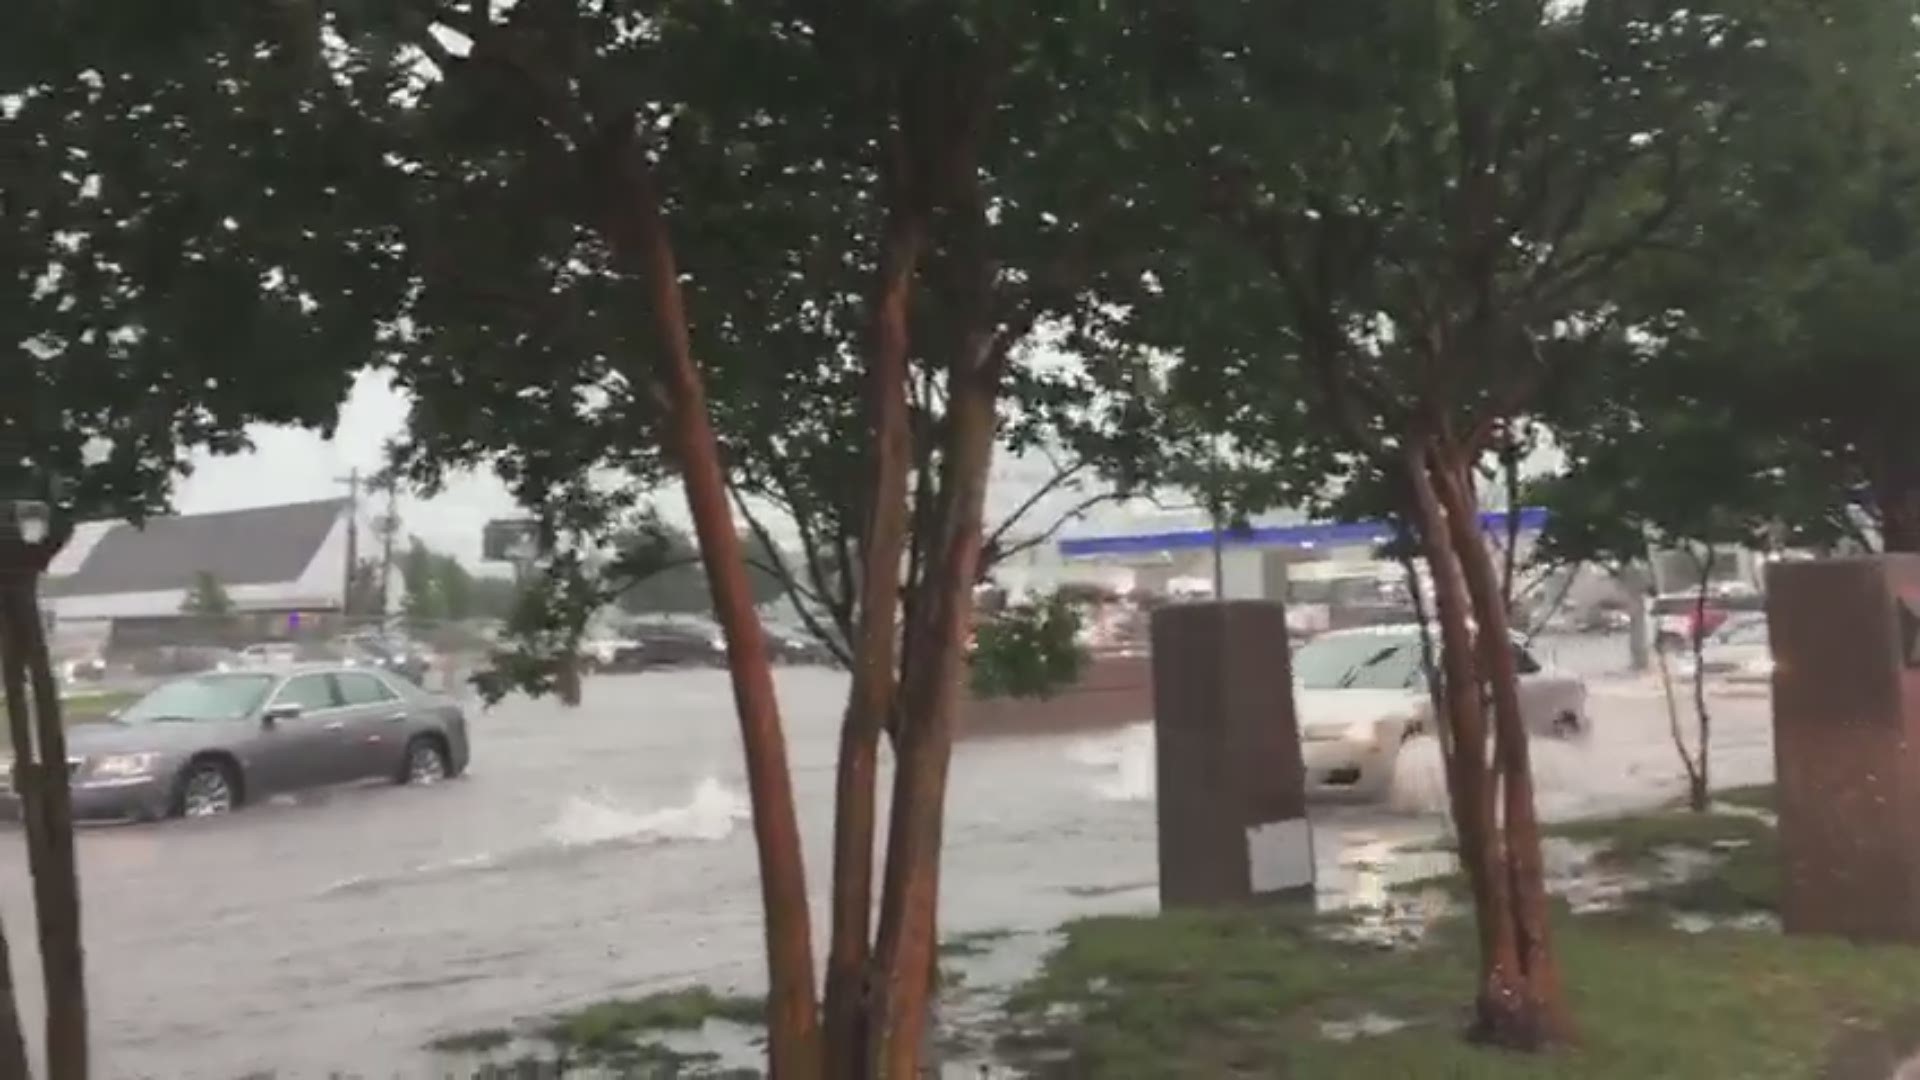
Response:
column 270, row 654
column 1361, row 694
column 1740, row 651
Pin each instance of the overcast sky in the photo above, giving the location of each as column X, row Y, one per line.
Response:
column 290, row 465
column 295, row 466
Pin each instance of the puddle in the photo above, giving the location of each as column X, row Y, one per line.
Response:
column 1758, row 813
column 1370, row 868
column 976, row 980
column 1399, row 922
column 1758, row 922
column 1367, row 1025
column 1591, row 889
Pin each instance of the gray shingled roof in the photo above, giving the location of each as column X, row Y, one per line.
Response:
column 265, row 545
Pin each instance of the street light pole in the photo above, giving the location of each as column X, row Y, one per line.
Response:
column 352, row 480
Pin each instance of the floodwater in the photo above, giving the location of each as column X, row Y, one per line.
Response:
column 607, row 850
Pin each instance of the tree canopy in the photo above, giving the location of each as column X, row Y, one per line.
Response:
column 207, row 598
column 163, row 234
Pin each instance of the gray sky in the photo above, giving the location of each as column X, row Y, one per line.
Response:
column 290, row 465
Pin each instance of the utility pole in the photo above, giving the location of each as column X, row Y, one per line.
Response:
column 352, row 480
column 389, row 528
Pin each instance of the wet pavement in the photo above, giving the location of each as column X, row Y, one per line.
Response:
column 606, row 850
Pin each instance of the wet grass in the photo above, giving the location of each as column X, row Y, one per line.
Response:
column 673, row 1010
column 1246, row 993
column 480, row 1041
column 624, row 1036
column 89, row 706
column 1745, row 852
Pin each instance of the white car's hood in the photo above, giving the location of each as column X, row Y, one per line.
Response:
column 1333, row 711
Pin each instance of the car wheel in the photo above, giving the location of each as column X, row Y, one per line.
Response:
column 206, row 789
column 426, row 762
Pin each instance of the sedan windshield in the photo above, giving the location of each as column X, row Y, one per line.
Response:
column 202, row 697
column 1357, row 662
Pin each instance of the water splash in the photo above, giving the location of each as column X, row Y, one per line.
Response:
column 593, row 820
column 1566, row 777
column 712, row 813
column 1123, row 762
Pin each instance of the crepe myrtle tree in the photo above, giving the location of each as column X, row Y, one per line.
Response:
column 176, row 270
column 737, row 247
column 1791, row 315
column 1651, row 467
column 1404, row 225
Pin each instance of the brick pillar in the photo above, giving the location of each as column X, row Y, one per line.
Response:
column 1232, row 806
column 1846, row 733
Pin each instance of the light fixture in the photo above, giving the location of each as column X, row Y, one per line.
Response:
column 25, row 520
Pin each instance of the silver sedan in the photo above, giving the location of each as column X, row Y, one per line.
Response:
column 210, row 743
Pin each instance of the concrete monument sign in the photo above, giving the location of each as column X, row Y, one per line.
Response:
column 1846, row 723
column 1232, row 805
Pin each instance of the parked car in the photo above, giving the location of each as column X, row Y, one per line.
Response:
column 211, row 743
column 1361, row 694
column 270, row 653
column 1674, row 614
column 669, row 643
column 1739, row 651
column 86, row 669
column 395, row 655
column 183, row 660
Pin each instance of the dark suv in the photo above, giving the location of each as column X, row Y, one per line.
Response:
column 668, row 644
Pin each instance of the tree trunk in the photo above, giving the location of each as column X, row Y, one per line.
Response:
column 1471, row 784
column 56, row 885
column 873, row 694
column 1537, row 1015
column 1429, row 664
column 638, row 231
column 13, row 1043
column 905, row 953
column 13, row 680
column 1699, row 782
column 1898, row 501
column 1673, row 726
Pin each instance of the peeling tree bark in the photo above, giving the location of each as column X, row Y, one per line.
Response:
column 1470, row 782
column 47, row 810
column 1535, row 1014
column 872, row 698
column 905, row 951
column 638, row 231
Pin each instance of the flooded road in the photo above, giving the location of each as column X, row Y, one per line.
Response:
column 606, row 850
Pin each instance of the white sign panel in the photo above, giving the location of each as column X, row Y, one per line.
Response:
column 1280, row 856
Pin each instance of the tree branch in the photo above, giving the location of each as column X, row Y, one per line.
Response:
column 1028, row 543
column 796, row 592
column 1061, row 477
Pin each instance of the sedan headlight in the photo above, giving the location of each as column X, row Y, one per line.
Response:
column 123, row 766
